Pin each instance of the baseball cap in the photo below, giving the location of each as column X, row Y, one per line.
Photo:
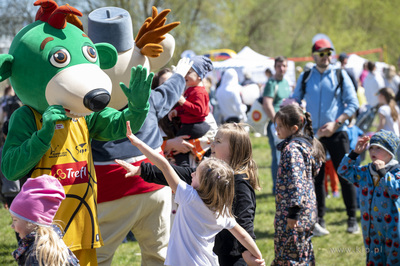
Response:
column 321, row 44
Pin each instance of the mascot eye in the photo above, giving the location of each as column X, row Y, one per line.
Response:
column 90, row 53
column 61, row 58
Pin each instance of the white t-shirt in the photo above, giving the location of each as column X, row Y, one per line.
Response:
column 389, row 124
column 372, row 84
column 194, row 229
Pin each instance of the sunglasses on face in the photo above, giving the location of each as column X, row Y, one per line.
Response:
column 322, row 54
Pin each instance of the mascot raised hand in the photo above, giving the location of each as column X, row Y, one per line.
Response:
column 56, row 71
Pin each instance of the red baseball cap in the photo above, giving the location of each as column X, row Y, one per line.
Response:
column 321, row 44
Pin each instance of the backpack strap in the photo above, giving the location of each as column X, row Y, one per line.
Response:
column 339, row 78
column 303, row 82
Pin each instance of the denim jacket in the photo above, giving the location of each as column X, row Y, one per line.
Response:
column 324, row 102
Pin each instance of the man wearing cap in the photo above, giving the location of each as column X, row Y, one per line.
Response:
column 330, row 106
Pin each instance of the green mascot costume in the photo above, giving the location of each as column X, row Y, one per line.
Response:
column 56, row 71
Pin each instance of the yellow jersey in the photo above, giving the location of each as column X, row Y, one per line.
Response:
column 69, row 159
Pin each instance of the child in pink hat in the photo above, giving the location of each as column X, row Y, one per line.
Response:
column 32, row 213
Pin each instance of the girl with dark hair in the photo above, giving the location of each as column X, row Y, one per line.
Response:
column 296, row 207
column 161, row 77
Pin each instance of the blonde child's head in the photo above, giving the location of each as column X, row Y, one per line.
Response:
column 383, row 146
column 292, row 120
column 33, row 211
column 239, row 151
column 49, row 248
column 215, row 183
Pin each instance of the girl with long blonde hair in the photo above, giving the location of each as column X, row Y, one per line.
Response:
column 32, row 212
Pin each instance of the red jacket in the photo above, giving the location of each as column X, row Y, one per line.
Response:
column 196, row 108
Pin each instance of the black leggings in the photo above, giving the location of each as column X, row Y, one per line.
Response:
column 337, row 145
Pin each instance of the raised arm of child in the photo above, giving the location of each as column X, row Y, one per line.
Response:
column 247, row 241
column 156, row 158
column 362, row 144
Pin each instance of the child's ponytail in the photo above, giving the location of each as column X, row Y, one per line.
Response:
column 318, row 150
column 308, row 126
column 50, row 248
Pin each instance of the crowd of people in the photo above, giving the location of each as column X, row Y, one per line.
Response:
column 187, row 178
column 331, row 97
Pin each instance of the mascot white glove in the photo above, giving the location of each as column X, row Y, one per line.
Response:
column 183, row 66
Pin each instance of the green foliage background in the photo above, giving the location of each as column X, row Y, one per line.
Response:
column 272, row 28
column 279, row 27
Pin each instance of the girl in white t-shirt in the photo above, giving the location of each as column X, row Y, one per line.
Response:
column 205, row 208
column 388, row 111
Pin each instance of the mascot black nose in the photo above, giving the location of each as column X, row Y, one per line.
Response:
column 96, row 100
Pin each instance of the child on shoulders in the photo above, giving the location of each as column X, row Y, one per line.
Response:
column 193, row 106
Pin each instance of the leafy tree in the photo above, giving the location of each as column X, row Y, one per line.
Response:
column 271, row 27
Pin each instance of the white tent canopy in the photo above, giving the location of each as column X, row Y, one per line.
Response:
column 245, row 58
column 249, row 61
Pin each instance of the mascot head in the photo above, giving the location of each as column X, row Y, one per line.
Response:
column 53, row 62
column 152, row 48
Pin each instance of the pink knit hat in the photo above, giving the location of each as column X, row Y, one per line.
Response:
column 38, row 200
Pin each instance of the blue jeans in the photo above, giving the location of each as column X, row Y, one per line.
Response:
column 272, row 140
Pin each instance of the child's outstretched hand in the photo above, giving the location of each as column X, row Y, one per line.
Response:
column 131, row 170
column 132, row 138
column 362, row 144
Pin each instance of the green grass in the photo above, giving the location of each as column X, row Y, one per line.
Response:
column 338, row 248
